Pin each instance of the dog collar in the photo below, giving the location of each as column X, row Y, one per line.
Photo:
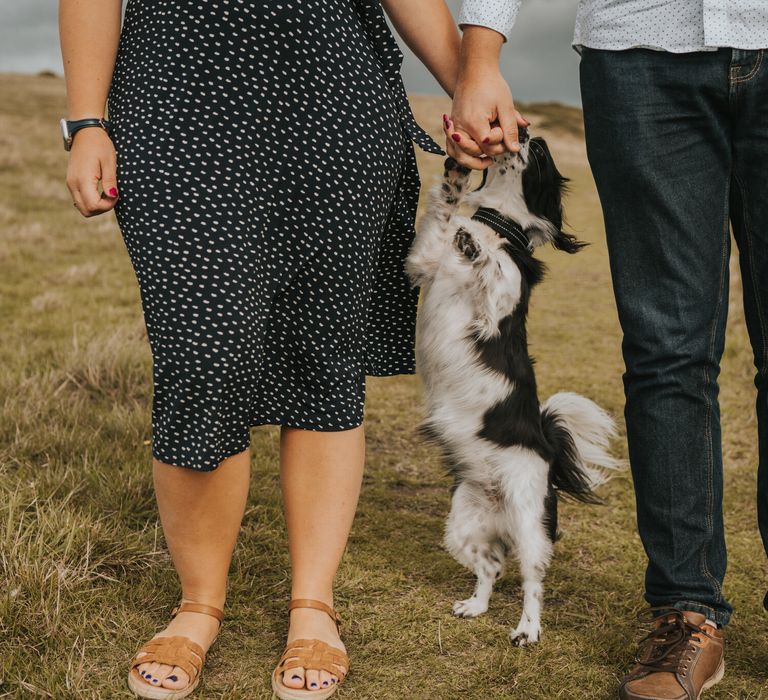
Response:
column 504, row 226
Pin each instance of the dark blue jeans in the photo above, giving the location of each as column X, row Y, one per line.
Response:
column 678, row 145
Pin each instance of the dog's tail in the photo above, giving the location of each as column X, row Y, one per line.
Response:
column 580, row 433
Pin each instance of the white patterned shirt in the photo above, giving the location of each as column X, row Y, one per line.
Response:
column 678, row 26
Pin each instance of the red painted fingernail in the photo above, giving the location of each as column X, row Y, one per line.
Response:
column 456, row 137
column 445, row 117
column 487, row 139
column 527, row 123
column 112, row 192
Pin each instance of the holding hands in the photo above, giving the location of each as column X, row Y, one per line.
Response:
column 484, row 121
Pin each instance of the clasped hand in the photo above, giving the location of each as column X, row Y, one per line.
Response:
column 483, row 120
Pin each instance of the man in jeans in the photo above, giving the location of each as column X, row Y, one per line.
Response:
column 675, row 98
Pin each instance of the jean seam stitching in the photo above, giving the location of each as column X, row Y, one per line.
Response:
column 708, row 419
column 753, row 72
column 750, row 255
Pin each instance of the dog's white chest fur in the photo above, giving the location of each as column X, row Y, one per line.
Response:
column 458, row 387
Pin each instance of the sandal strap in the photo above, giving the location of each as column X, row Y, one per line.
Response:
column 188, row 606
column 315, row 655
column 315, row 605
column 172, row 651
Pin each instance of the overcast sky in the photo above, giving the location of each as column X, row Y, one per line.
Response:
column 538, row 61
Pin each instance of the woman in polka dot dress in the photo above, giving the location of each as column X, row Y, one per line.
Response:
column 267, row 191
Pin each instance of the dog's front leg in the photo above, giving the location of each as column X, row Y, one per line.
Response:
column 435, row 232
column 495, row 283
column 427, row 251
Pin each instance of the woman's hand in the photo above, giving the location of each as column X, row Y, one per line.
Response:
column 92, row 161
column 90, row 31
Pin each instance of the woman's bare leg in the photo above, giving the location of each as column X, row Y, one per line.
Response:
column 321, row 477
column 201, row 514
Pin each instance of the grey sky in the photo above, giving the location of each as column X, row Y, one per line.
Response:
column 538, row 60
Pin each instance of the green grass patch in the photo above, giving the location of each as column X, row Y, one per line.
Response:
column 84, row 573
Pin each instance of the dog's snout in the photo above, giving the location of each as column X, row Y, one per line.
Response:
column 522, row 134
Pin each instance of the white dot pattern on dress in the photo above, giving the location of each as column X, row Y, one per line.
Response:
column 268, row 194
column 678, row 26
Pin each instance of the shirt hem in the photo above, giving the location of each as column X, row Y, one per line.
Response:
column 579, row 43
column 621, row 46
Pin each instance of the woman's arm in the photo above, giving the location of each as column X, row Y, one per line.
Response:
column 429, row 30
column 90, row 32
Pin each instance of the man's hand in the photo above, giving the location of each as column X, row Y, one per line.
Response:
column 484, row 120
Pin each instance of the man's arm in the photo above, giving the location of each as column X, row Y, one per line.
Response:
column 484, row 120
column 494, row 14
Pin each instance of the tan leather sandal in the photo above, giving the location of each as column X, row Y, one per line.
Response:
column 173, row 651
column 310, row 654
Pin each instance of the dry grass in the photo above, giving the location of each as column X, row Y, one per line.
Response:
column 84, row 572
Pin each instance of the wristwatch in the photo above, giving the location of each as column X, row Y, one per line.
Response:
column 70, row 128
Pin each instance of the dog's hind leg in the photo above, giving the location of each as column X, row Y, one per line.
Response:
column 525, row 501
column 471, row 537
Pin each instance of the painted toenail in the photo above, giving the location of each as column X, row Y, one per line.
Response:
column 295, row 678
column 173, row 679
column 147, row 676
column 325, row 683
column 313, row 685
column 154, row 680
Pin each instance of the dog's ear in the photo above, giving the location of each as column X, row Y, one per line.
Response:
column 543, row 190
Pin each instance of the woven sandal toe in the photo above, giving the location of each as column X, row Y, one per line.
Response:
column 172, row 651
column 310, row 654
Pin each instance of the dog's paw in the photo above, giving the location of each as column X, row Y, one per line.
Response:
column 471, row 607
column 466, row 245
column 526, row 633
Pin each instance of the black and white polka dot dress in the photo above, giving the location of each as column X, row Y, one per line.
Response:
column 268, row 189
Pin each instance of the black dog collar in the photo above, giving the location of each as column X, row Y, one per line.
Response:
column 505, row 227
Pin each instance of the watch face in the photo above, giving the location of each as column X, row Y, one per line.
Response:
column 65, row 134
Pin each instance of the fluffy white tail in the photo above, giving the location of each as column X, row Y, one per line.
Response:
column 581, row 433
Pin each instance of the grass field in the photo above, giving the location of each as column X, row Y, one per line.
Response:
column 85, row 577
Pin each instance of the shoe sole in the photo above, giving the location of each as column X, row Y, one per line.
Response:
column 711, row 682
column 142, row 689
column 283, row 692
column 714, row 680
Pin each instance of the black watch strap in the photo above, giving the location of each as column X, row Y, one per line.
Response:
column 70, row 128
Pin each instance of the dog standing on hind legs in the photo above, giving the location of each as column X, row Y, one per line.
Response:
column 510, row 456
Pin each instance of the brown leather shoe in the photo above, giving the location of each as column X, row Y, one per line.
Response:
column 677, row 660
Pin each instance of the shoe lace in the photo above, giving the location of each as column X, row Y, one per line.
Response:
column 670, row 644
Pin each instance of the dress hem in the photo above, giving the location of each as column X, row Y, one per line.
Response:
column 283, row 423
column 226, row 455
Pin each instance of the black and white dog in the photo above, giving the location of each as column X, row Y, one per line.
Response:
column 509, row 456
